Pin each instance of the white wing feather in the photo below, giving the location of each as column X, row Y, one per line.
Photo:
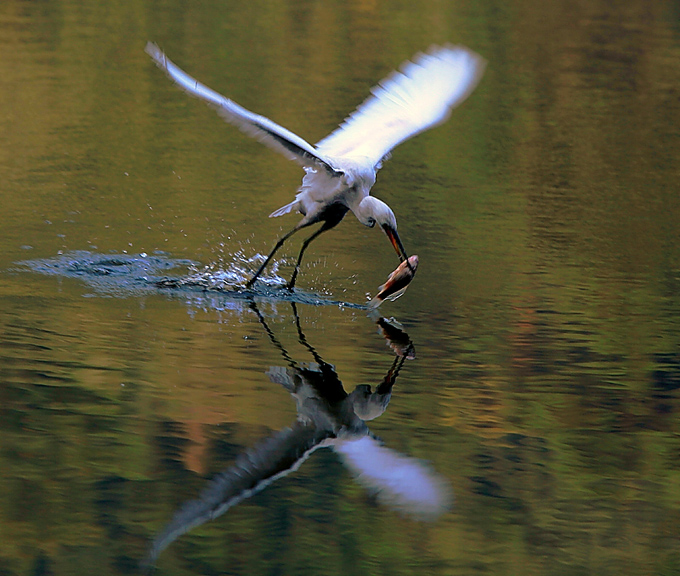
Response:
column 402, row 483
column 421, row 95
column 276, row 137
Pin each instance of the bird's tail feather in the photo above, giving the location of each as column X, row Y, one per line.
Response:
column 284, row 209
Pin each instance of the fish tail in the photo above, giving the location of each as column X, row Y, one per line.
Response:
column 374, row 303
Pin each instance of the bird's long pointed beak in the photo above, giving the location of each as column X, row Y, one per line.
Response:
column 398, row 246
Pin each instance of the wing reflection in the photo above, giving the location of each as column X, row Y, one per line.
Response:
column 327, row 416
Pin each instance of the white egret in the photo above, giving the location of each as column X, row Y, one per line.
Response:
column 341, row 168
column 327, row 417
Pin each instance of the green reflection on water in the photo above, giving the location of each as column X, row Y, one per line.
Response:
column 544, row 313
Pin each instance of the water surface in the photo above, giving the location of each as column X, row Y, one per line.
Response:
column 544, row 316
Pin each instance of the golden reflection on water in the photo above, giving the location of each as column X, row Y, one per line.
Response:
column 544, row 313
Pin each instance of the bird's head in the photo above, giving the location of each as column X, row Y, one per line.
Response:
column 372, row 211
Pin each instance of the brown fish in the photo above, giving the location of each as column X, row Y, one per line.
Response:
column 397, row 282
column 396, row 337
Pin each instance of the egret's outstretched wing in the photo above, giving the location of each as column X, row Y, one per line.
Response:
column 400, row 482
column 419, row 96
column 273, row 458
column 276, row 137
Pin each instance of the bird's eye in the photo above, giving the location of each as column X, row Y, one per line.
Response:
column 371, row 222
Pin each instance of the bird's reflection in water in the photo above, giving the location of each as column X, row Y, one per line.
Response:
column 327, row 416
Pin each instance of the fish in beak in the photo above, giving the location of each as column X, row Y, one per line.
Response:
column 397, row 282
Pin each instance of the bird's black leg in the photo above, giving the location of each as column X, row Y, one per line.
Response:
column 272, row 336
column 385, row 387
column 327, row 225
column 271, row 255
column 303, row 339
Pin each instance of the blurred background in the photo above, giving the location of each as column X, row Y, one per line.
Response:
column 544, row 315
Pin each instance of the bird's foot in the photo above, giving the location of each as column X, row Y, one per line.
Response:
column 252, row 283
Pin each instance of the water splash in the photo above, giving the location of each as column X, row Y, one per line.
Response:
column 113, row 274
column 236, row 274
column 201, row 286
